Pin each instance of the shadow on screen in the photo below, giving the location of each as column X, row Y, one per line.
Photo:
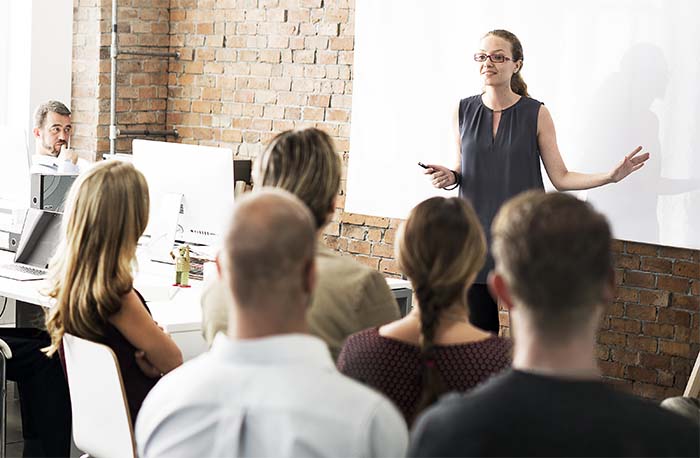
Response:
column 619, row 118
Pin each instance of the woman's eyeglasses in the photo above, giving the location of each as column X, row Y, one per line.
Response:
column 495, row 58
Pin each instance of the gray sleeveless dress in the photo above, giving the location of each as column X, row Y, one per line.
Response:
column 496, row 169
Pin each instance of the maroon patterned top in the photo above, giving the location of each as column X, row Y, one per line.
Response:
column 395, row 368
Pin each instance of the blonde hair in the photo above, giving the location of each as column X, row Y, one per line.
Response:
column 303, row 162
column 107, row 212
column 441, row 249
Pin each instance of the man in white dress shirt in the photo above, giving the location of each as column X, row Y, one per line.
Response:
column 268, row 388
column 52, row 134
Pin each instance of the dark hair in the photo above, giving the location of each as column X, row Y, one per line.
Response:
column 52, row 106
column 517, row 83
column 303, row 162
column 555, row 254
column 441, row 249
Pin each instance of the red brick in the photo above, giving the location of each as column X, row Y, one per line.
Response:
column 616, row 309
column 377, row 221
column 680, row 366
column 612, row 338
column 674, row 348
column 686, row 269
column 625, row 326
column 382, row 250
column 647, row 344
column 640, row 312
column 602, row 352
column 673, row 284
column 665, row 378
column 352, row 218
column 640, row 374
column 372, row 263
column 374, row 235
column 641, row 279
column 658, row 298
column 618, row 246
column 676, row 317
column 658, row 330
column 624, row 357
column 610, row 369
column 659, row 265
column 642, row 249
column 626, row 261
column 389, row 266
column 390, row 236
column 627, row 294
column 655, row 361
column 676, row 253
column 691, row 303
column 681, row 334
column 359, row 247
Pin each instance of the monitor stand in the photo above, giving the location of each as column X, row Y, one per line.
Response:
column 164, row 228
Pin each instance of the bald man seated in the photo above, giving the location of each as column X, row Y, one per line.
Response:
column 267, row 387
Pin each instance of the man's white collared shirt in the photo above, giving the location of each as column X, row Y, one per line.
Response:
column 277, row 396
column 49, row 165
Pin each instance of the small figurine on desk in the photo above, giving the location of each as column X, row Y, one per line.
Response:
column 182, row 266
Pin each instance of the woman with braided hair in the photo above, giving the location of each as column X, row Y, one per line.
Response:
column 434, row 349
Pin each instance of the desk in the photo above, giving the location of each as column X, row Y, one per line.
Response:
column 180, row 315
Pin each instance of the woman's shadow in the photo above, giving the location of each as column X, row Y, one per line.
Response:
column 619, row 118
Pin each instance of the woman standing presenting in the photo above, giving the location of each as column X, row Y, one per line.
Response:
column 502, row 133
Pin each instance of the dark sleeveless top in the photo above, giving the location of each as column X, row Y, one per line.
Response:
column 136, row 383
column 496, row 169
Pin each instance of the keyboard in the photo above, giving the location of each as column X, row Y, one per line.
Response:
column 25, row 269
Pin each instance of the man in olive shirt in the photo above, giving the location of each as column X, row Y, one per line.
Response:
column 349, row 296
column 553, row 272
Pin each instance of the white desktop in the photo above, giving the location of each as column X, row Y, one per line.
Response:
column 200, row 176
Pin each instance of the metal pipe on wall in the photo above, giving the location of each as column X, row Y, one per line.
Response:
column 114, row 132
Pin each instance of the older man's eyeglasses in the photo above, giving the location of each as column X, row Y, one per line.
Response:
column 495, row 58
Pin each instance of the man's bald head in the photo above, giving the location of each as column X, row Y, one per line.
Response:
column 269, row 249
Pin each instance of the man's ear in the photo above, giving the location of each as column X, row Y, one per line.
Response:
column 36, row 132
column 609, row 288
column 499, row 289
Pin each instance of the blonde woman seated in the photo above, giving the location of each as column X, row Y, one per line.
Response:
column 92, row 280
column 434, row 349
column 349, row 296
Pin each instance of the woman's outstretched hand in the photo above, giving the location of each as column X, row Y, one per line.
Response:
column 440, row 176
column 630, row 163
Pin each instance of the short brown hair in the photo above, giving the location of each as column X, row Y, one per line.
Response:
column 52, row 106
column 303, row 162
column 554, row 251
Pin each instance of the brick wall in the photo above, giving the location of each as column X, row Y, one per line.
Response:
column 651, row 334
column 142, row 82
column 252, row 68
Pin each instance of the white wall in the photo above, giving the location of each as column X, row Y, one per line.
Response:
column 614, row 74
column 37, row 60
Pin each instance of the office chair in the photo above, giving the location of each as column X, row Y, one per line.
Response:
column 5, row 354
column 101, row 420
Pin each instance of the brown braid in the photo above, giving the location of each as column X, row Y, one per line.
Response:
column 441, row 248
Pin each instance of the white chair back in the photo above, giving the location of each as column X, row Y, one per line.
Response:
column 101, row 422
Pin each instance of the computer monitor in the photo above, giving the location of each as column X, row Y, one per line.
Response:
column 203, row 175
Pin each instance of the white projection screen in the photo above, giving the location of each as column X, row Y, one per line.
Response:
column 614, row 75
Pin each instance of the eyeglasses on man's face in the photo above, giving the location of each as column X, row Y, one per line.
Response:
column 495, row 58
